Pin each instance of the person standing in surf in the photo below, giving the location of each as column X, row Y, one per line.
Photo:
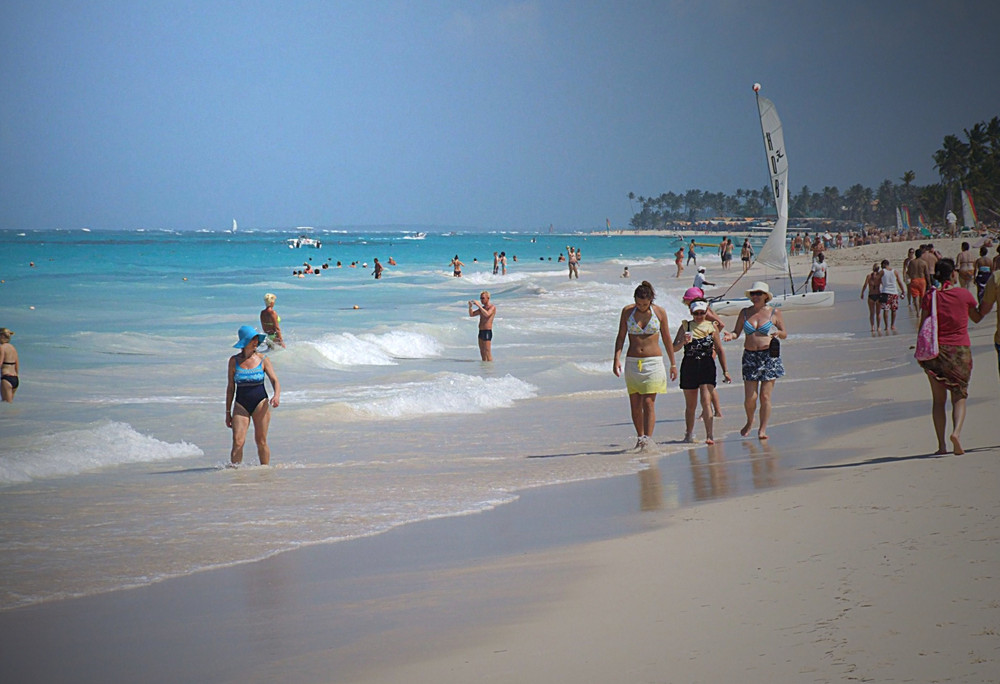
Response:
column 10, row 366
column 246, row 398
column 645, row 325
column 486, row 312
column 270, row 322
column 456, row 267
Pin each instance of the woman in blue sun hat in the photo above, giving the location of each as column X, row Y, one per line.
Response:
column 246, row 398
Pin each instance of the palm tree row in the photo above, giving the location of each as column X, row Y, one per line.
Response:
column 973, row 165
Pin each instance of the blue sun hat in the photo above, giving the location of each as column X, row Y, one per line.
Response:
column 247, row 333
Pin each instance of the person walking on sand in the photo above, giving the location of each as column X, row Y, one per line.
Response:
column 890, row 287
column 918, row 276
column 10, row 366
column 965, row 262
column 456, row 267
column 951, row 369
column 645, row 324
column 245, row 385
column 872, row 285
column 991, row 296
column 727, row 255
column 486, row 312
column 679, row 261
column 817, row 274
column 762, row 365
column 984, row 269
column 746, row 254
column 270, row 322
column 699, row 338
column 691, row 294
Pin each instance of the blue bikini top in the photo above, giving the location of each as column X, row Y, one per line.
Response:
column 764, row 329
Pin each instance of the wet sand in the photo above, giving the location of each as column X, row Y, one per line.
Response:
column 838, row 549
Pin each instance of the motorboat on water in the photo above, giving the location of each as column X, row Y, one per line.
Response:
column 303, row 241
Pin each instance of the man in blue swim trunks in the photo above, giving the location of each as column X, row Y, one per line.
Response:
column 486, row 313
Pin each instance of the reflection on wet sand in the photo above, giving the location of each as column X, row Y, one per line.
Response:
column 711, row 476
column 650, row 489
column 763, row 464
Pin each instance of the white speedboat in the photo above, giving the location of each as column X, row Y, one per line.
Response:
column 303, row 241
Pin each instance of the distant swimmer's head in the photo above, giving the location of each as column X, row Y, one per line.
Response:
column 269, row 299
column 248, row 333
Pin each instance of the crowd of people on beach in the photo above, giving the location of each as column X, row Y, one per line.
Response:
column 936, row 286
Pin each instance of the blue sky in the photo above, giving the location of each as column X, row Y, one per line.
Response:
column 497, row 115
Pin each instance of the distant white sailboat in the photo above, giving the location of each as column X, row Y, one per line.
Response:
column 234, row 226
column 774, row 253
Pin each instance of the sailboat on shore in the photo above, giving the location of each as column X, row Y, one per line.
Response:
column 774, row 253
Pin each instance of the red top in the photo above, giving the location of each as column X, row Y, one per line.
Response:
column 953, row 315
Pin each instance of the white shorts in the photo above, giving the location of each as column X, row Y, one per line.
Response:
column 646, row 375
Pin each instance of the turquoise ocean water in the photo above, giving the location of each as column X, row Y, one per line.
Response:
column 112, row 472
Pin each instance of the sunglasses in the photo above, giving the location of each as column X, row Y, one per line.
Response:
column 754, row 294
column 697, row 313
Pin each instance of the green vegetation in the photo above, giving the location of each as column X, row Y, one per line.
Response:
column 973, row 165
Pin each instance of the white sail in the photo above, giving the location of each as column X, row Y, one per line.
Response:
column 968, row 212
column 234, row 225
column 899, row 221
column 774, row 252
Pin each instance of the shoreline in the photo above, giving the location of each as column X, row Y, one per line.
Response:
column 448, row 612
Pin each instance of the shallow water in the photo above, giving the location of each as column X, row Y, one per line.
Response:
column 113, row 472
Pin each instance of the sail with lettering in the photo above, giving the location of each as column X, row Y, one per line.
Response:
column 774, row 253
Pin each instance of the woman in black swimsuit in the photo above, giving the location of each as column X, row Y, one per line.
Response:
column 9, row 366
column 245, row 384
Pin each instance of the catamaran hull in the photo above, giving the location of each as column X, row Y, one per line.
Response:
column 802, row 300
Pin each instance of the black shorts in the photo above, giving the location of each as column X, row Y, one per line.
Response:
column 486, row 335
column 697, row 372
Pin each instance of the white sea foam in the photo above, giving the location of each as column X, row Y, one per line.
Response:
column 99, row 445
column 343, row 350
column 592, row 367
column 448, row 393
column 487, row 277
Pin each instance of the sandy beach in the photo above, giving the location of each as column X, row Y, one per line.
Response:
column 881, row 563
